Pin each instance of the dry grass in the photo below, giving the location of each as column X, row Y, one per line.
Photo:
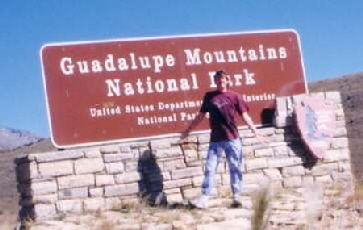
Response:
column 333, row 207
column 28, row 223
column 260, row 204
column 326, row 208
column 356, row 199
column 314, row 205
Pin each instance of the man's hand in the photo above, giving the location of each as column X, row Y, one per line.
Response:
column 246, row 117
column 200, row 116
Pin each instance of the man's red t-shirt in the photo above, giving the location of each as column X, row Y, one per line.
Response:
column 222, row 108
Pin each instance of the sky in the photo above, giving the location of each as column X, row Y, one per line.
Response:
column 331, row 36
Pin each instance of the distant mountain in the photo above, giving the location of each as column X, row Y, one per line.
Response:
column 11, row 139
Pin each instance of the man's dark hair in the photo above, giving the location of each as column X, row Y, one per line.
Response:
column 219, row 73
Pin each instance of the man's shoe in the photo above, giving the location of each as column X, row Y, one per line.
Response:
column 200, row 203
column 236, row 204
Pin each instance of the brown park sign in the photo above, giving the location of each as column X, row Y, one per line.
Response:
column 130, row 89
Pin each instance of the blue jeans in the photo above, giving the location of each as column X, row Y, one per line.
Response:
column 233, row 150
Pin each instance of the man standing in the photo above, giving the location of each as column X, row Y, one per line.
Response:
column 222, row 106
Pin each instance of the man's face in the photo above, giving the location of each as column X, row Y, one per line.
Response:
column 221, row 82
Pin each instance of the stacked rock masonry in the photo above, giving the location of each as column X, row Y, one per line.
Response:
column 101, row 178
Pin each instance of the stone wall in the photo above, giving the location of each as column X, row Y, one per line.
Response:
column 351, row 90
column 160, row 171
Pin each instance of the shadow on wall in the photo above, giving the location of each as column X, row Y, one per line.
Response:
column 151, row 184
column 23, row 174
column 293, row 137
column 267, row 116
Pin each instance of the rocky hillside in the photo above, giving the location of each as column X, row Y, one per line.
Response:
column 351, row 89
column 11, row 139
